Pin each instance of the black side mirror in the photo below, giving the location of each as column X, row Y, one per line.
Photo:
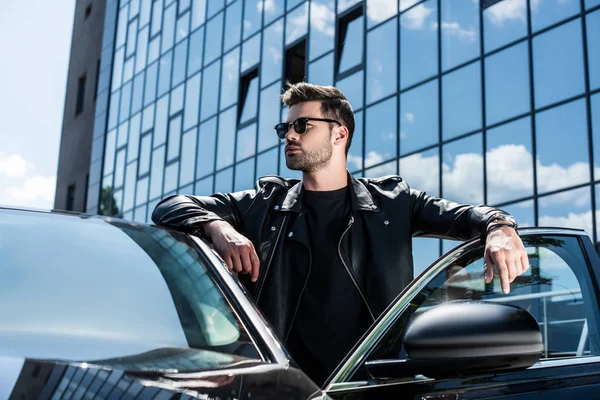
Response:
column 465, row 338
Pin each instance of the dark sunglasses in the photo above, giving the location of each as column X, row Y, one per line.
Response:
column 299, row 125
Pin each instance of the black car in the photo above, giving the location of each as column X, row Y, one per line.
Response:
column 98, row 308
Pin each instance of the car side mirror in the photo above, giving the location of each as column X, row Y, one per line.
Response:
column 465, row 338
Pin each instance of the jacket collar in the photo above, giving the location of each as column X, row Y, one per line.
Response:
column 360, row 197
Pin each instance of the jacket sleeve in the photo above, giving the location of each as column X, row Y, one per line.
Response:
column 436, row 217
column 188, row 213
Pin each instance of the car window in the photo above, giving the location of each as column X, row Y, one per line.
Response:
column 557, row 290
column 104, row 290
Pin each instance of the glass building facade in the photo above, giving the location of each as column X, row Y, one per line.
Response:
column 494, row 102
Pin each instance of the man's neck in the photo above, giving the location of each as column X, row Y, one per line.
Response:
column 330, row 178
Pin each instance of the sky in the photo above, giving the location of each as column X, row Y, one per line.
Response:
column 35, row 40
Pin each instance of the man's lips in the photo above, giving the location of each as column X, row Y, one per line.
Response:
column 291, row 149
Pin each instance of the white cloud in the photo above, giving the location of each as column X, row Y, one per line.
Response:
column 423, row 171
column 268, row 5
column 415, row 18
column 37, row 191
column 410, row 117
column 463, row 179
column 322, row 18
column 297, row 23
column 454, row 29
column 572, row 220
column 380, row 10
column 404, row 4
column 507, row 10
column 12, row 166
column 275, row 54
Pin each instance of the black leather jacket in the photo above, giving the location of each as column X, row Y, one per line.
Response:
column 376, row 247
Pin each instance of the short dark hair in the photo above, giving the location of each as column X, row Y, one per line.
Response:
column 334, row 104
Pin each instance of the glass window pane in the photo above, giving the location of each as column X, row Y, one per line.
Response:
column 252, row 17
column 322, row 27
column 266, row 163
column 343, row 5
column 192, row 98
column 198, row 13
column 352, row 88
column 118, row 68
column 226, row 138
column 251, row 52
column 250, row 103
column 179, row 63
column 164, row 73
column 156, row 174
column 380, row 10
column 461, row 101
column 503, row 23
column 171, row 175
column 148, row 118
column 591, row 3
column 138, row 92
column 269, row 101
column 153, row 50
column 128, row 69
column 150, row 85
column 419, row 117
column 462, row 170
column 246, row 142
column 224, row 181
column 157, row 11
column 273, row 9
column 571, row 209
column 196, row 51
column 558, row 64
column 174, row 138
column 210, row 87
column 176, row 100
column 320, row 72
column 352, row 46
column 418, row 44
column 207, row 136
column 134, row 137
column 593, row 48
column 144, row 165
column 507, row 84
column 233, row 25
column 562, row 159
column 244, row 175
column 523, row 212
column 422, row 171
column 129, row 187
column 355, row 154
column 460, row 32
column 141, row 50
column 382, row 170
column 382, row 134
column 381, row 61
column 141, row 192
column 545, row 13
column 109, row 152
column 122, row 26
column 145, row 9
column 272, row 53
column 183, row 27
column 405, row 4
column 125, row 102
column 425, row 252
column 509, row 161
column 296, row 24
column 160, row 125
column 230, row 80
column 188, row 157
column 291, row 4
column 214, row 6
column 168, row 30
column 595, row 109
column 204, row 187
column 113, row 112
column 119, row 168
column 214, row 39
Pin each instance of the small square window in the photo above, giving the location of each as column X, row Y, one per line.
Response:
column 295, row 63
column 70, row 198
column 88, row 11
column 80, row 95
column 248, row 101
column 351, row 31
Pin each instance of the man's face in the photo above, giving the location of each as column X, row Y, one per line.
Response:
column 310, row 151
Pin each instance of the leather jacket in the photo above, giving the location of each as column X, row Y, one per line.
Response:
column 375, row 248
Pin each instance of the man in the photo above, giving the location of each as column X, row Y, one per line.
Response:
column 324, row 256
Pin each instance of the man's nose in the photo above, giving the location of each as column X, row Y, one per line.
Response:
column 292, row 135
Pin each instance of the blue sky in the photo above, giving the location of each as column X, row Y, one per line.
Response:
column 35, row 40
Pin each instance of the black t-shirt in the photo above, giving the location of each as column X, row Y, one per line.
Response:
column 332, row 315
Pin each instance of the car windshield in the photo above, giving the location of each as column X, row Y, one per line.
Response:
column 106, row 291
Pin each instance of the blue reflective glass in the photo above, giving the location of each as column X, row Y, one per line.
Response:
column 176, row 100
column 224, row 181
column 145, row 9
column 273, row 9
column 204, row 187
column 322, row 27
column 122, row 27
column 153, row 49
column 266, row 163
column 148, row 118
column 168, row 29
column 141, row 50
column 591, row 3
column 209, row 88
column 214, row 6
column 252, row 17
column 109, row 152
column 233, row 25
column 291, row 4
column 161, row 121
column 381, row 140
column 198, row 13
column 272, row 53
column 571, row 209
column 320, row 72
column 425, row 252
column 352, row 88
column 461, row 101
column 562, row 159
column 179, row 64
column 192, row 101
column 164, row 73
column 355, row 153
column 133, row 141
column 157, row 172
column 145, row 149
column 226, row 140
column 268, row 116
column 462, row 170
column 171, row 176
column 507, row 84
column 545, row 13
column 120, row 168
column 122, row 133
column 418, row 44
column 296, row 24
column 523, row 212
column 251, row 102
column 558, row 64
column 214, row 39
column 380, row 10
column 406, row 4
column 128, row 69
column 352, row 47
column 503, row 23
column 129, row 186
column 113, row 112
column 246, row 142
column 419, row 117
column 118, row 69
column 230, row 79
column 509, row 162
column 460, row 32
column 125, row 102
column 188, row 157
column 196, row 51
column 244, row 175
column 422, row 171
column 141, row 193
column 131, row 37
column 207, row 136
column 138, row 93
column 151, row 84
column 593, row 48
column 174, row 139
column 595, row 109
column 251, row 52
column 343, row 5
column 382, row 69
column 382, row 170
column 156, row 23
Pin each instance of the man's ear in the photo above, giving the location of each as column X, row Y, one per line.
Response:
column 341, row 135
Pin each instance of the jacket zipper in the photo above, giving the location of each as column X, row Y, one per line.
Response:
column 262, row 282
column 354, row 280
column 300, row 298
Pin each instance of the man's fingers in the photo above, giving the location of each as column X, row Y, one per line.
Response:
column 525, row 261
column 489, row 268
column 512, row 269
column 255, row 264
column 500, row 262
column 246, row 263
column 236, row 262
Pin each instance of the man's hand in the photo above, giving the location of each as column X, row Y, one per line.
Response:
column 236, row 250
column 505, row 250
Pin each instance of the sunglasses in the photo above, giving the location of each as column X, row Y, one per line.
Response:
column 300, row 125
